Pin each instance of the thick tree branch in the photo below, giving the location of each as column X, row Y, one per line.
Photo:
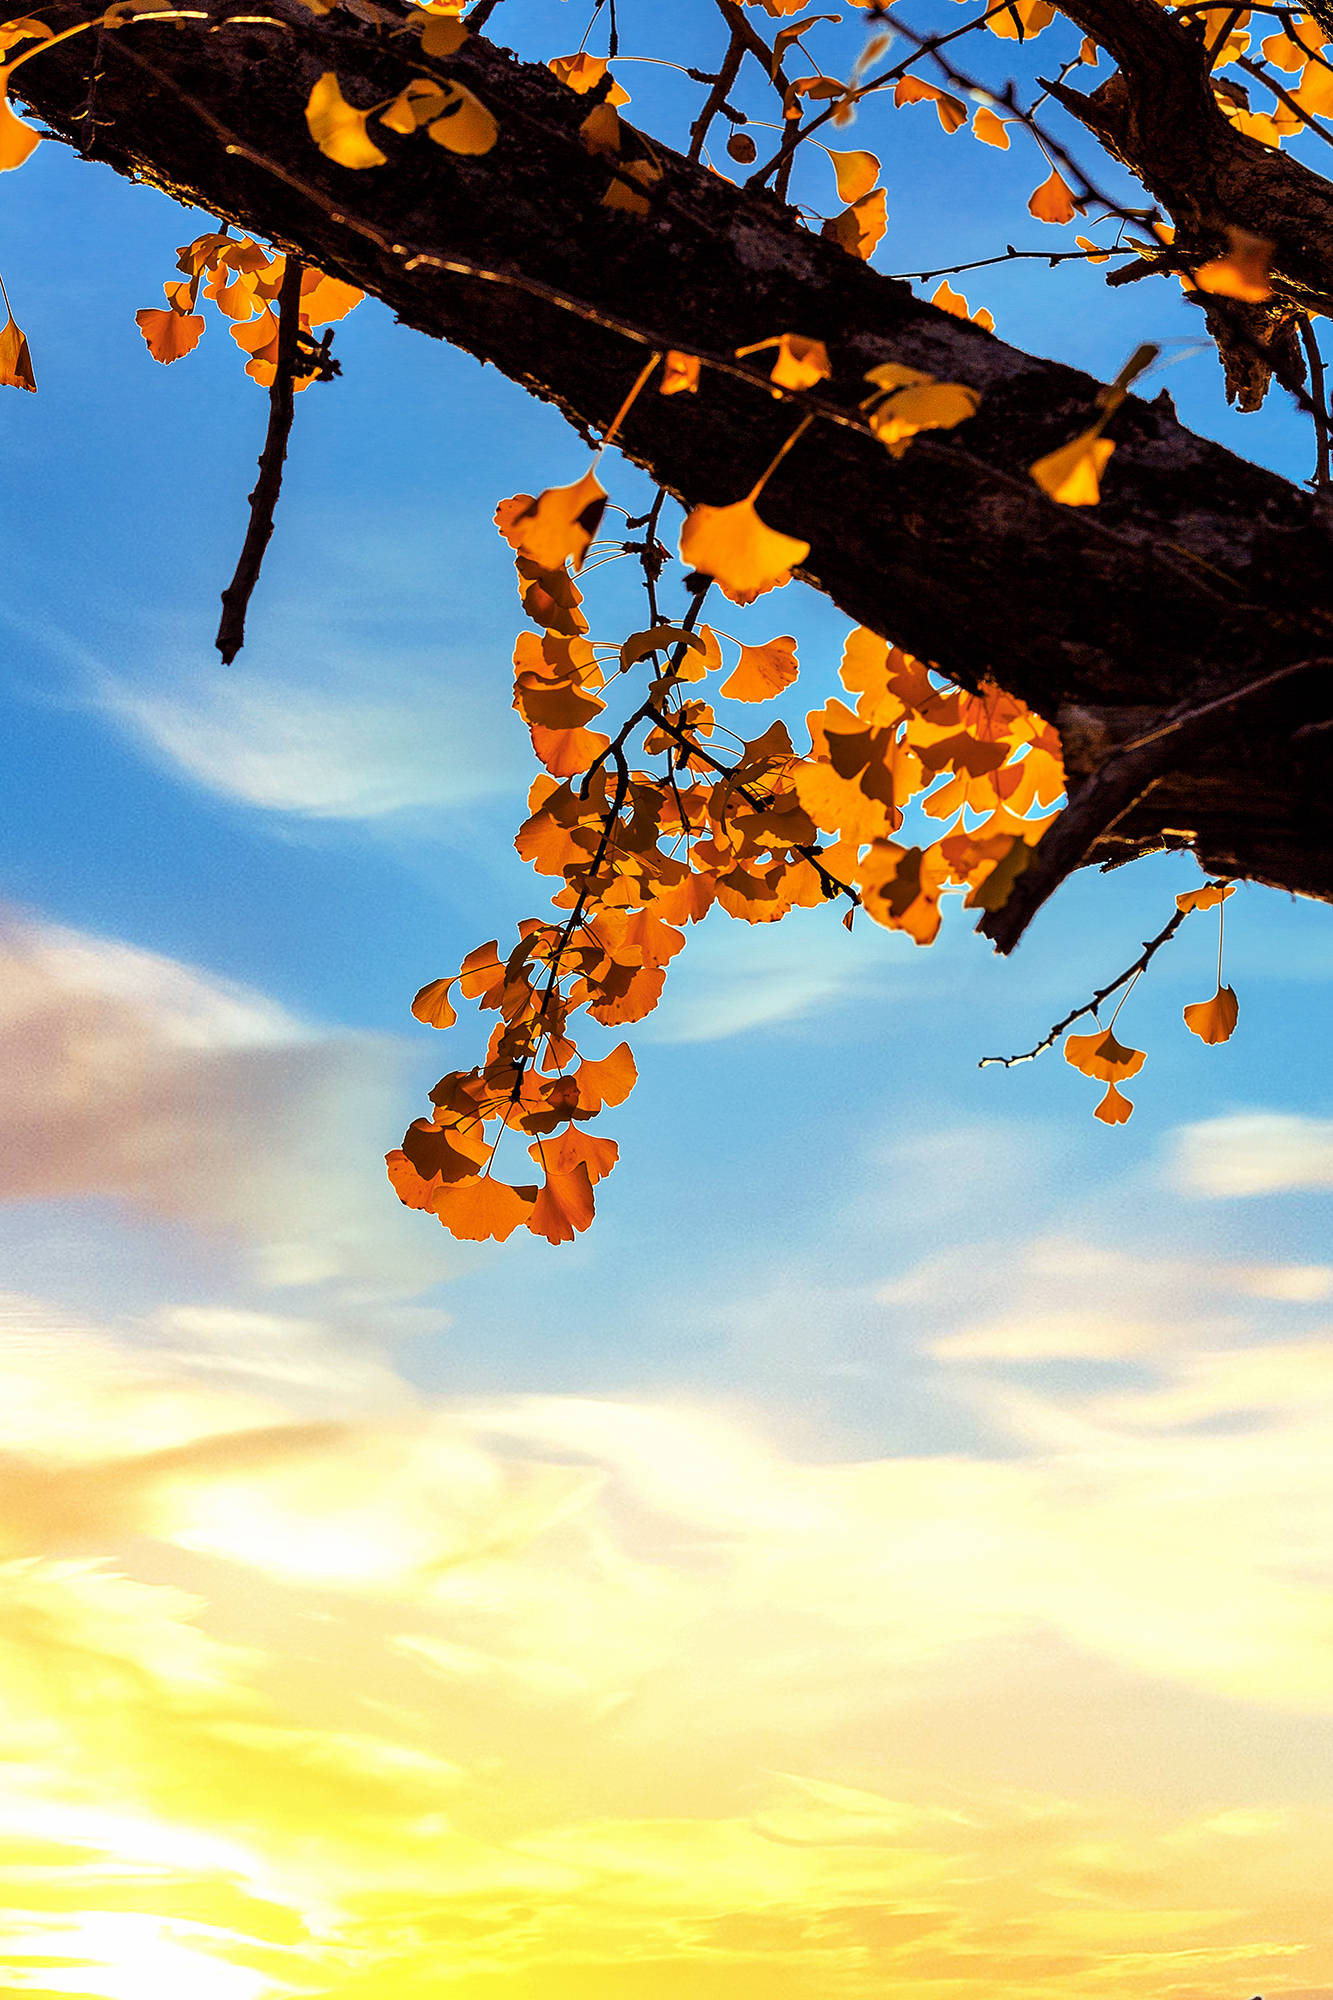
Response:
column 1198, row 574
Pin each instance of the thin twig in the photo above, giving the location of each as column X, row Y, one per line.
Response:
column 1315, row 359
column 1149, row 951
column 264, row 498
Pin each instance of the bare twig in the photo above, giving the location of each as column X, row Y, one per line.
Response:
column 1150, row 950
column 264, row 498
column 1315, row 360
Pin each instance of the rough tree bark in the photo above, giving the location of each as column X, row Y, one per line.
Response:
column 1199, row 575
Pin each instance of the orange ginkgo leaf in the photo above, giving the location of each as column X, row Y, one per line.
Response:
column 1114, row 1108
column 732, row 544
column 17, row 140
column 762, row 671
column 916, row 402
column 1100, row 1055
column 575, row 1147
column 1244, row 272
column 431, row 1005
column 1072, row 475
column 608, row 1080
column 479, row 1209
column 799, row 363
column 1214, row 1020
column 170, row 334
column 464, row 125
column 946, row 299
column 952, row 111
column 558, row 525
column 564, row 1206
column 1054, row 200
column 680, row 372
column 338, row 128
column 15, row 360
column 583, row 73
column 443, row 35
column 992, row 131
column 566, row 752
column 1207, row 898
column 859, row 229
column 856, row 175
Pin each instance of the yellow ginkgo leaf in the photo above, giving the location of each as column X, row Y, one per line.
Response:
column 1102, row 1056
column 799, row 364
column 1072, row 475
column 1207, row 898
column 856, row 174
column 1244, row 272
column 925, row 406
column 892, row 375
column 1054, row 200
column 416, row 104
column 15, row 360
column 741, row 551
column 170, row 334
column 947, row 300
column 443, row 35
column 859, row 229
column 558, row 525
column 679, row 372
column 338, row 128
column 465, row 125
column 632, row 186
column 1214, row 1020
column 583, row 73
column 432, row 1005
column 1114, row 1108
column 16, row 139
column 992, row 131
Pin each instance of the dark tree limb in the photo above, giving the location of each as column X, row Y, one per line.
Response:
column 1197, row 576
column 264, row 498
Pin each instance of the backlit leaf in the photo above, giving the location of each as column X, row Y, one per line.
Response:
column 479, row 1210
column 170, row 334
column 1072, row 475
column 338, row 128
column 762, row 671
column 1244, row 272
column 558, row 525
column 1206, row 898
column 1102, row 1056
column 859, row 229
column 432, row 1007
column 15, row 360
column 564, row 1206
column 1054, row 200
column 741, row 551
column 1214, row 1020
column 1114, row 1108
column 992, row 131
column 680, row 372
column 856, row 174
column 465, row 125
column 17, row 140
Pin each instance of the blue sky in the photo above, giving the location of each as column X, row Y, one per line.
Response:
column 844, row 1284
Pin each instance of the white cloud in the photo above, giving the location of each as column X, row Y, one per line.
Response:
column 1250, row 1153
column 327, row 751
column 191, row 1098
column 734, row 977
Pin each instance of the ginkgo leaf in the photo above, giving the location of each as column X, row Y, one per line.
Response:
column 1207, row 898
column 17, row 140
column 15, row 360
column 632, row 186
column 1214, row 1020
column 1114, row 1107
column 680, row 372
column 416, row 104
column 558, row 525
column 861, row 228
column 443, row 35
column 575, row 1147
column 992, row 131
column 169, row 334
column 1244, row 272
column 924, row 406
column 325, row 299
column 856, row 174
column 564, row 1206
column 583, row 72
column 608, row 1080
column 476, row 1210
column 465, row 125
column 560, row 705
column 740, row 550
column 911, row 90
column 663, row 639
column 1021, row 21
column 566, row 752
column 946, row 299
column 1072, row 475
column 600, row 130
column 799, row 363
column 1102, row 1056
column 762, row 671
column 338, row 128
column 431, row 1005
column 1054, row 201
column 1096, row 255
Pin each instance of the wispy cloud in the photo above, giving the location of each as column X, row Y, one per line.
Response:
column 1253, row 1153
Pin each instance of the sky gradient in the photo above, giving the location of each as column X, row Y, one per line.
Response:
column 889, row 1553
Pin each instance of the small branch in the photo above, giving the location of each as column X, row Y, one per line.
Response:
column 264, row 498
column 1315, row 361
column 1150, row 950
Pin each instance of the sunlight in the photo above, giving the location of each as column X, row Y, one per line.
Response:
column 125, row 1956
